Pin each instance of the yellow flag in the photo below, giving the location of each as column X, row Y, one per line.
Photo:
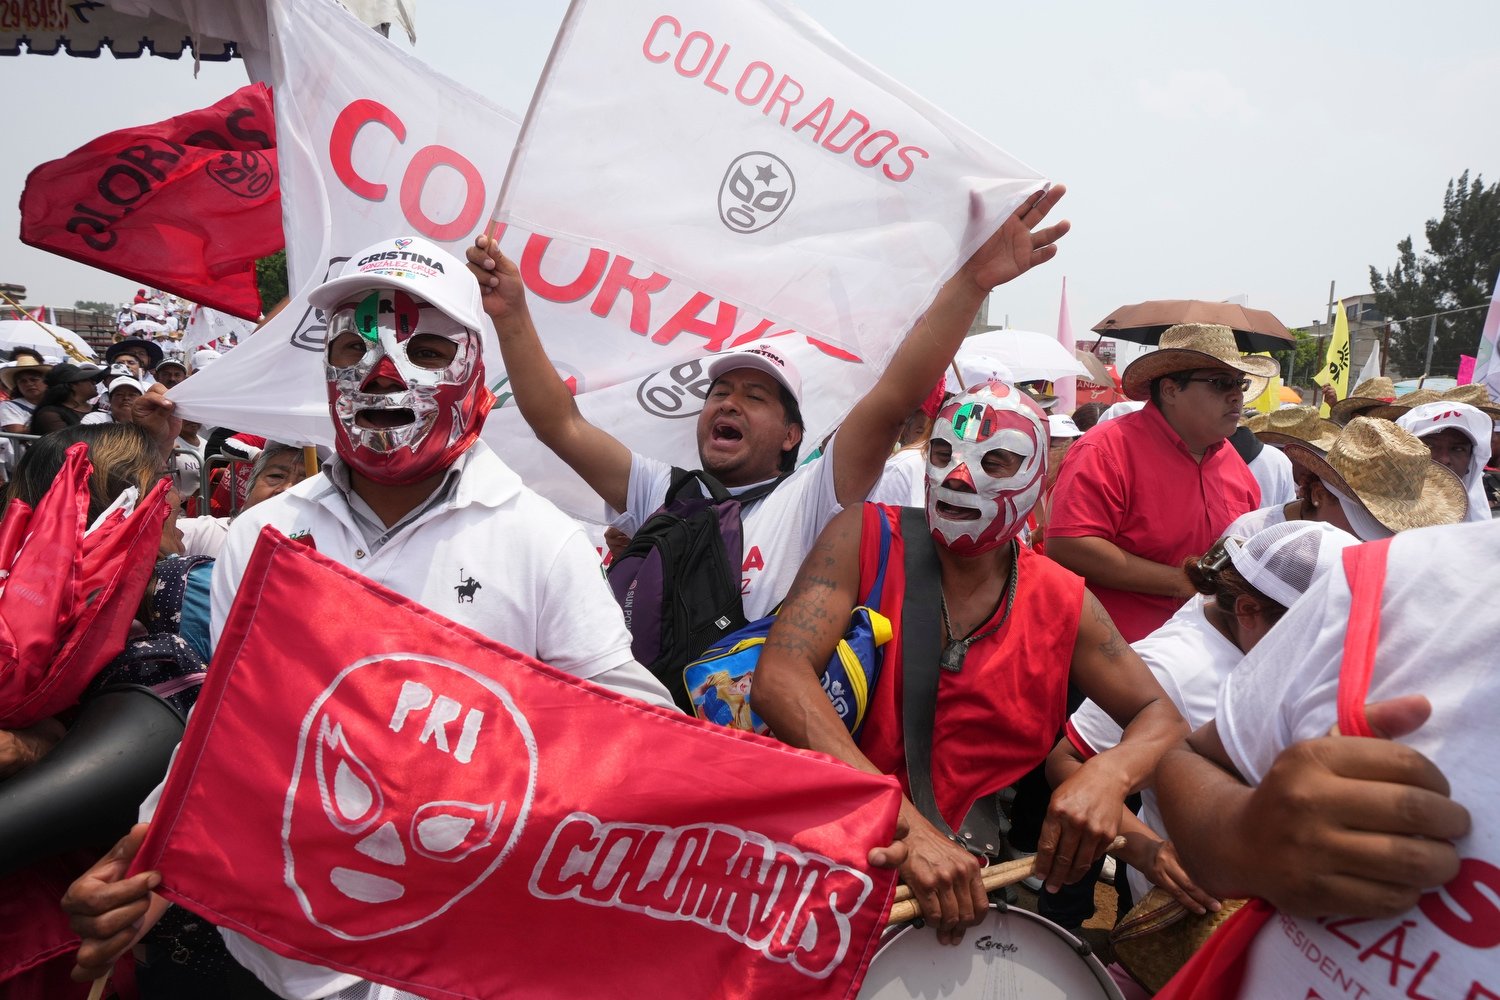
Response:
column 1271, row 398
column 1336, row 371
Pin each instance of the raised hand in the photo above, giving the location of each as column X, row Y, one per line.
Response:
column 501, row 291
column 1018, row 246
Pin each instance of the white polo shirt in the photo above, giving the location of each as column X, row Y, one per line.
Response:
column 779, row 530
column 487, row 553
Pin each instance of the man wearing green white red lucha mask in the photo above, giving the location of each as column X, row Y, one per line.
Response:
column 403, row 363
column 986, row 464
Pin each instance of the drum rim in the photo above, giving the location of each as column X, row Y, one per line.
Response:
column 1077, row 945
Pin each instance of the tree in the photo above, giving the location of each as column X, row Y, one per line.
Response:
column 270, row 278
column 89, row 306
column 1301, row 362
column 1457, row 271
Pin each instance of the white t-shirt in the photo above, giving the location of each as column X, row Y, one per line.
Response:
column 203, row 536
column 779, row 530
column 1190, row 659
column 540, row 592
column 1273, row 471
column 903, row 481
column 188, row 466
column 1253, row 521
column 16, row 411
column 1438, row 637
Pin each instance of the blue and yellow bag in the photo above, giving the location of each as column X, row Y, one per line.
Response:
column 719, row 682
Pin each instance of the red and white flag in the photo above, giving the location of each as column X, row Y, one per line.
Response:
column 376, row 144
column 187, row 204
column 398, row 797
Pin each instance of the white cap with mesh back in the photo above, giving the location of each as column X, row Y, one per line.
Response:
column 1284, row 560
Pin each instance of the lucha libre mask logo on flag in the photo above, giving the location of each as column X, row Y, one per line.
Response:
column 413, row 781
column 985, row 465
column 756, row 191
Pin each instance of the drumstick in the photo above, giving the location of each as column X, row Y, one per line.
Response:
column 994, row 877
column 98, row 989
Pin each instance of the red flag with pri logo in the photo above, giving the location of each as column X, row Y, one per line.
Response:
column 186, row 205
column 395, row 796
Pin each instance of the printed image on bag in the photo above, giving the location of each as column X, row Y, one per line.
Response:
column 720, row 682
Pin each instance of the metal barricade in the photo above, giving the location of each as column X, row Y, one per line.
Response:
column 21, row 442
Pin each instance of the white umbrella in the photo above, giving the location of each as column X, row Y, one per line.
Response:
column 46, row 338
column 145, row 326
column 1030, row 357
column 152, row 309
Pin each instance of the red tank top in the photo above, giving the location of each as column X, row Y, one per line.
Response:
column 999, row 717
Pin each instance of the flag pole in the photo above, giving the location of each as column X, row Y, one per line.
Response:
column 68, row 348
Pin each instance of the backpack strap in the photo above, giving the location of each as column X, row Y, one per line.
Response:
column 1364, row 567
column 921, row 642
column 717, row 492
column 877, row 586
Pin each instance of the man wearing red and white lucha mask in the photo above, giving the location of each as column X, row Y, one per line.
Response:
column 1018, row 628
column 414, row 500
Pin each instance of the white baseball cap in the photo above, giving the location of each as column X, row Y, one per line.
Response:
column 980, row 369
column 408, row 264
column 761, row 357
column 1060, row 425
column 202, row 359
column 125, row 382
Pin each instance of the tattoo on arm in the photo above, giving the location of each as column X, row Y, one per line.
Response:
column 1114, row 645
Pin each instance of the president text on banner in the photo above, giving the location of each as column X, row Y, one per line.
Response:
column 398, row 797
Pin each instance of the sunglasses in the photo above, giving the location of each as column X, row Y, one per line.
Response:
column 1223, row 384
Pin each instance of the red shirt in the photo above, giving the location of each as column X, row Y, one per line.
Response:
column 998, row 717
column 1133, row 482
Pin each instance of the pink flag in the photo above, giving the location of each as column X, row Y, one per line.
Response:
column 1066, row 388
column 1465, row 369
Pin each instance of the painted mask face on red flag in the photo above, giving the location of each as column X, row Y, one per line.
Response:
column 413, row 781
column 986, row 463
column 405, row 385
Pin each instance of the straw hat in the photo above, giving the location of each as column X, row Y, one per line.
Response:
column 1190, row 346
column 1371, row 392
column 25, row 363
column 1294, row 424
column 1477, row 396
column 1390, row 472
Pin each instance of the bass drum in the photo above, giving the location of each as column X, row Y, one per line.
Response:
column 1012, row 954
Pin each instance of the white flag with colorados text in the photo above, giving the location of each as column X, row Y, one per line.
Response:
column 738, row 143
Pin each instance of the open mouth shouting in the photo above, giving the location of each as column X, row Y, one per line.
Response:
column 380, row 418
column 952, row 501
column 724, row 432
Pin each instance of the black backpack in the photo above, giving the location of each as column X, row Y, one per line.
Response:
column 678, row 580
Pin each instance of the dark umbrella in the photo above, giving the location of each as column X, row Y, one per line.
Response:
column 1143, row 322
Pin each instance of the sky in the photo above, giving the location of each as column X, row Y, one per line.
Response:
column 1210, row 151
